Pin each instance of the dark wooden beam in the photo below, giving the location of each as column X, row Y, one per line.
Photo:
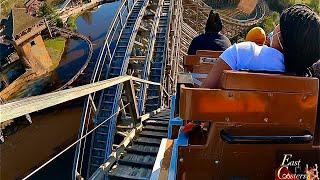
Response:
column 131, row 97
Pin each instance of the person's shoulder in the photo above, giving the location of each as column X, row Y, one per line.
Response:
column 198, row 38
column 272, row 51
column 247, row 44
column 222, row 36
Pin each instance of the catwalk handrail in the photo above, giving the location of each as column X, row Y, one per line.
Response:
column 148, row 59
column 105, row 51
column 14, row 109
column 104, row 60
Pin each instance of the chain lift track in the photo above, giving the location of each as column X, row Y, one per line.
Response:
column 138, row 158
column 158, row 63
column 148, row 59
column 102, row 139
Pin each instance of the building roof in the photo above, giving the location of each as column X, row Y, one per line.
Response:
column 28, row 2
column 18, row 21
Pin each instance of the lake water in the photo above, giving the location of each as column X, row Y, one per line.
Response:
column 24, row 146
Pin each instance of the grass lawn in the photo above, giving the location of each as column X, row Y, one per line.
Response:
column 7, row 5
column 72, row 22
column 55, row 48
column 302, row 1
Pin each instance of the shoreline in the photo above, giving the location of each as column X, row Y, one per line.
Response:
column 56, row 48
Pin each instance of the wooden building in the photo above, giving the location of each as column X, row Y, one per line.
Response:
column 24, row 32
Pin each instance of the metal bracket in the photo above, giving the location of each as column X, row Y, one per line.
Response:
column 28, row 117
column 1, row 137
column 92, row 103
column 78, row 176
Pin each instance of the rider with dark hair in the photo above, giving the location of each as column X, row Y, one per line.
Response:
column 300, row 37
column 295, row 46
column 212, row 39
column 296, row 39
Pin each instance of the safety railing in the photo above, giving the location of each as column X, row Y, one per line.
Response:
column 28, row 105
column 102, row 64
column 117, row 25
column 110, row 100
column 175, row 56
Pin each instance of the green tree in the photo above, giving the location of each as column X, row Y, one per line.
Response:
column 269, row 23
column 50, row 12
column 315, row 5
column 47, row 10
column 279, row 5
column 59, row 22
column 71, row 23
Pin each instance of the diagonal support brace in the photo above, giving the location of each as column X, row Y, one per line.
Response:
column 133, row 109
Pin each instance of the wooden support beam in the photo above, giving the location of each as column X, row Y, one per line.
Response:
column 124, row 113
column 78, row 176
column 14, row 109
column 143, row 28
column 92, row 103
column 133, row 108
column 138, row 58
column 151, row 10
column 123, row 134
column 24, row 106
column 139, row 44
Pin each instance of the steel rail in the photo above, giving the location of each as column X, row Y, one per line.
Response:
column 107, row 43
column 105, row 52
column 118, row 89
column 163, row 34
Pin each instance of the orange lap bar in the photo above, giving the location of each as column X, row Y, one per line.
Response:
column 235, row 80
column 249, row 102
